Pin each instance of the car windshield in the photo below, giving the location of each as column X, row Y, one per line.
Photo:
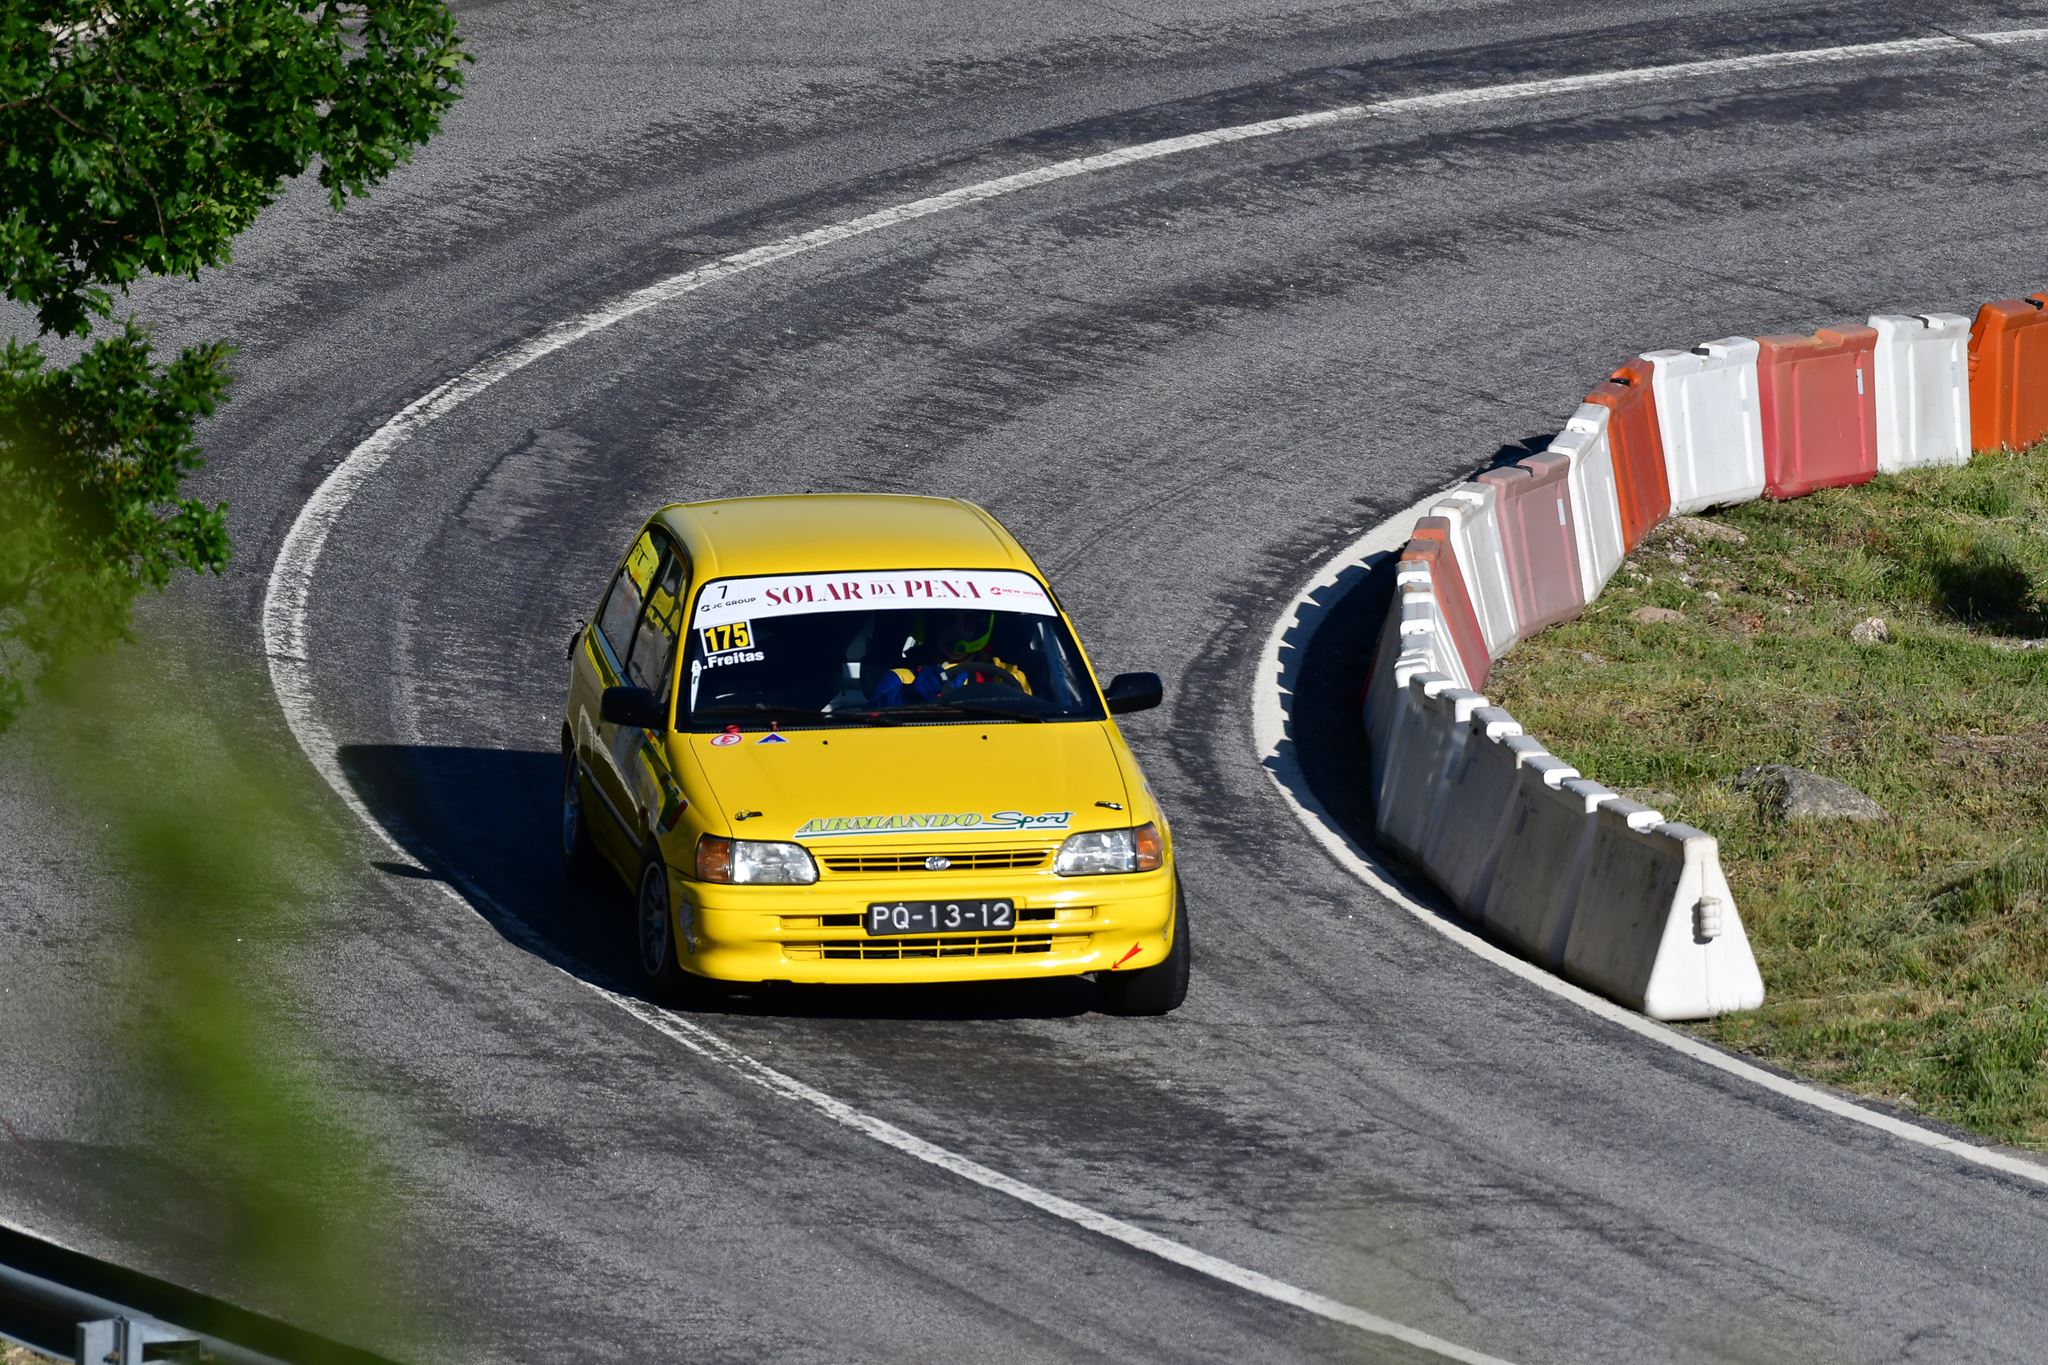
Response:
column 918, row 646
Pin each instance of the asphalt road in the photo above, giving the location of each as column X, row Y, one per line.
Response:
column 1184, row 384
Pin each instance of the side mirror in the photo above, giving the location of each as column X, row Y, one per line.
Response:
column 634, row 706
column 1134, row 692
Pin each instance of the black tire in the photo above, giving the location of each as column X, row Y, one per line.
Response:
column 580, row 861
column 654, row 935
column 1160, row 988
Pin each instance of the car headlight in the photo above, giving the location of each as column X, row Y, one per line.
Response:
column 1111, row 850
column 753, row 862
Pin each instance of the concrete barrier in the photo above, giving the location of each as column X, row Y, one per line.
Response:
column 1391, row 764
column 1393, row 678
column 1474, row 519
column 1529, row 898
column 1656, row 927
column 1459, row 848
column 1412, row 644
column 1923, row 391
column 1433, row 725
column 1393, row 646
column 1596, row 499
column 1711, row 423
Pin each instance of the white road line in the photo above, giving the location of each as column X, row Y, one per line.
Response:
column 1137, row 1238
column 289, row 591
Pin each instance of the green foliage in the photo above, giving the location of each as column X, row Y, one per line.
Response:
column 141, row 138
column 138, row 139
column 1902, row 958
column 227, row 882
column 91, row 457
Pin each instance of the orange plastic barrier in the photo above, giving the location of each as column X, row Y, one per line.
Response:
column 1638, row 448
column 1541, row 542
column 2009, row 374
column 1819, row 409
column 1431, row 549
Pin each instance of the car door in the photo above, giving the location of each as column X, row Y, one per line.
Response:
column 617, row 758
column 652, row 795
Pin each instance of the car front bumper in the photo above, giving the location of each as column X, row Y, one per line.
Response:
column 817, row 934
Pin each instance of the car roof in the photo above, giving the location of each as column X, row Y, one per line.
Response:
column 822, row 532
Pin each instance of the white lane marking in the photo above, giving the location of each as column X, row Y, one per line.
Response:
column 290, row 586
column 1269, row 733
column 288, row 593
column 1130, row 1235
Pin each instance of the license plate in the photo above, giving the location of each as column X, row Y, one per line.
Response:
column 940, row 917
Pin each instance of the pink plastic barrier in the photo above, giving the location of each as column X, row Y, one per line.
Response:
column 1540, row 540
column 1819, row 410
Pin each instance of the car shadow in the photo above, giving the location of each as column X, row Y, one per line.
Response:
column 484, row 822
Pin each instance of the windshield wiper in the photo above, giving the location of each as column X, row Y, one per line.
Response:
column 946, row 710
column 757, row 711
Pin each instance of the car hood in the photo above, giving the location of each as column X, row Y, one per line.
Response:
column 953, row 783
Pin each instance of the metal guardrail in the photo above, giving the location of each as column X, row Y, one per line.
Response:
column 74, row 1307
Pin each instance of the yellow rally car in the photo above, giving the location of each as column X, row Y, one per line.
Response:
column 852, row 738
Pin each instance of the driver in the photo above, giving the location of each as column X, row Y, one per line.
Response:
column 951, row 652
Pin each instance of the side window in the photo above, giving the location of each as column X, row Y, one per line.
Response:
column 652, row 661
column 621, row 610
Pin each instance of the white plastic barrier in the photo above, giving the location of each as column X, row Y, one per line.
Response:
column 1472, row 510
column 1433, row 730
column 1596, row 502
column 1419, row 607
column 1656, row 928
column 1460, row 845
column 1711, row 421
column 1527, row 900
column 1923, row 391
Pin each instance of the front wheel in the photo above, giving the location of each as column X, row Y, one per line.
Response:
column 654, row 925
column 1160, row 988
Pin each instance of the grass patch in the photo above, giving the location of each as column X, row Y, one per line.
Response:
column 1907, row 959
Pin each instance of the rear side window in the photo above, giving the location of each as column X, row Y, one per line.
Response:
column 621, row 611
column 641, row 619
column 653, row 659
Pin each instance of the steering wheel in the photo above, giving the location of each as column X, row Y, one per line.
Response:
column 998, row 685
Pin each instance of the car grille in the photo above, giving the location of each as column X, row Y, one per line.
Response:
column 957, row 860
column 894, row 949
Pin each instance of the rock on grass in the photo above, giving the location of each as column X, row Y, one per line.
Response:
column 1795, row 794
column 1699, row 528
